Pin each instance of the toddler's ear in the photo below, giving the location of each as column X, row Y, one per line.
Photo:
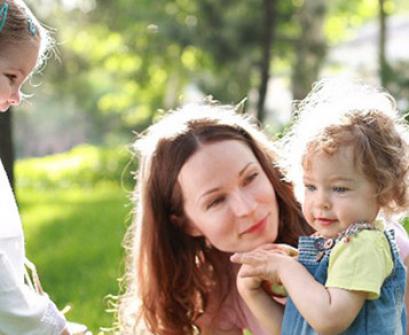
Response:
column 184, row 224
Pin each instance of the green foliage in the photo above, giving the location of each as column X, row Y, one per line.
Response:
column 123, row 60
column 347, row 15
column 83, row 166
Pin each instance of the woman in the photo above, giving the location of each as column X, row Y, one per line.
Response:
column 207, row 187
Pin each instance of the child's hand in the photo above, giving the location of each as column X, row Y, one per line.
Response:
column 247, row 284
column 264, row 262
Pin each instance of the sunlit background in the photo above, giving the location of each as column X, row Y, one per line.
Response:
column 119, row 64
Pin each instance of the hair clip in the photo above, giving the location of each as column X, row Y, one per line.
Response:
column 31, row 27
column 4, row 8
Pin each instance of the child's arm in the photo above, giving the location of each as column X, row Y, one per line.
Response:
column 327, row 310
column 23, row 311
column 267, row 311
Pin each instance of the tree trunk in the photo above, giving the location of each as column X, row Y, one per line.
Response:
column 6, row 145
column 311, row 47
column 270, row 15
column 384, row 70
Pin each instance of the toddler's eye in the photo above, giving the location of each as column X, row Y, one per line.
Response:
column 340, row 189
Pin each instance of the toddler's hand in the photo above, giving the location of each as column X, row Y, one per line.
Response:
column 247, row 284
column 264, row 262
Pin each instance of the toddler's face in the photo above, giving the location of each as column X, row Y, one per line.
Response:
column 17, row 61
column 336, row 194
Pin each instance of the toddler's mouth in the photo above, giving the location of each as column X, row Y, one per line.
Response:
column 325, row 221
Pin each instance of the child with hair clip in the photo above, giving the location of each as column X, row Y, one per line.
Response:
column 348, row 157
column 23, row 46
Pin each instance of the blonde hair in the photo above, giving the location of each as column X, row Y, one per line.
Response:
column 18, row 23
column 340, row 112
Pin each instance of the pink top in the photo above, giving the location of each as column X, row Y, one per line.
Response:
column 233, row 315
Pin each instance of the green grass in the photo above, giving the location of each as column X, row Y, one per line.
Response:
column 74, row 237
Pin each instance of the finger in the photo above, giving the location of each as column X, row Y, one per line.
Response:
column 250, row 258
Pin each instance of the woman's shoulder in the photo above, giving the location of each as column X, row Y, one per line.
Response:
column 222, row 316
column 232, row 314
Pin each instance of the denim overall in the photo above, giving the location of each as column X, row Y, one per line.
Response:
column 385, row 315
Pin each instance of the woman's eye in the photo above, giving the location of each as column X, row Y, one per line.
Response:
column 215, row 202
column 340, row 189
column 250, row 178
column 309, row 187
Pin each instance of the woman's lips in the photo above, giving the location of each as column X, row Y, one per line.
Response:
column 258, row 227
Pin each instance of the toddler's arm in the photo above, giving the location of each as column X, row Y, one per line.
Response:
column 327, row 310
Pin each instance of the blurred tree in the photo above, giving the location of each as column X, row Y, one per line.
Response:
column 269, row 27
column 384, row 68
column 122, row 61
column 6, row 145
column 311, row 46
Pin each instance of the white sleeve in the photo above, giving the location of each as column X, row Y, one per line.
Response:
column 22, row 310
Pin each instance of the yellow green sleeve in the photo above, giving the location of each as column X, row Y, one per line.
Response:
column 362, row 264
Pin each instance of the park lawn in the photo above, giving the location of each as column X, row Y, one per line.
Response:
column 74, row 237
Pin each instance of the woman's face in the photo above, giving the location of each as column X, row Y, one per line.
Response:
column 228, row 198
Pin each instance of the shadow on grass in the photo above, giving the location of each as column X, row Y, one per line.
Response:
column 74, row 237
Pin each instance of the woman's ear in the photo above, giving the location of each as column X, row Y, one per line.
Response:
column 188, row 227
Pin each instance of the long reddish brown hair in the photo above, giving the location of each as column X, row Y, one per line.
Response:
column 170, row 273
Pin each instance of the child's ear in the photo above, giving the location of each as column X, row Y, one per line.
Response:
column 184, row 224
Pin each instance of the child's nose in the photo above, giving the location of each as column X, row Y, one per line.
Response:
column 15, row 98
column 323, row 200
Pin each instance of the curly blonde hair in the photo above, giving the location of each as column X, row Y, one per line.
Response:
column 340, row 112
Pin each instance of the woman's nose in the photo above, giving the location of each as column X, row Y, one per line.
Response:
column 243, row 204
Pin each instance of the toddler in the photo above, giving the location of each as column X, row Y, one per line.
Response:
column 348, row 157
